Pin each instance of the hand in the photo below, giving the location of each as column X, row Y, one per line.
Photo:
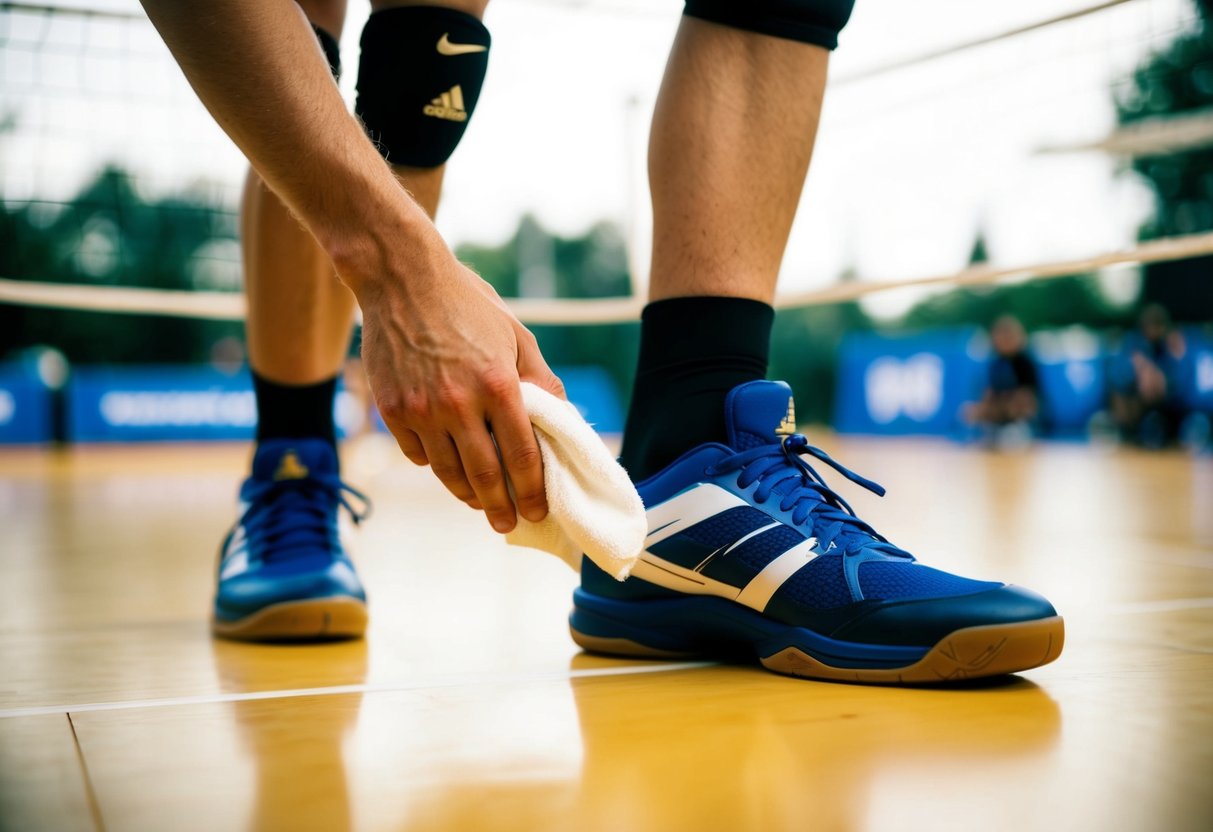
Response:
column 444, row 358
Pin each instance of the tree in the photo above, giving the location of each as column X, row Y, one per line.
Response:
column 109, row 234
column 533, row 262
column 1174, row 81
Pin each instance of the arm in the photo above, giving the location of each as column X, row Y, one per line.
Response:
column 259, row 71
column 443, row 354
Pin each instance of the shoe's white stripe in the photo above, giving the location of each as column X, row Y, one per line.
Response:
column 754, row 533
column 724, row 550
column 672, row 576
column 237, row 558
column 471, row 680
column 693, row 506
column 684, row 510
column 757, row 593
column 236, row 563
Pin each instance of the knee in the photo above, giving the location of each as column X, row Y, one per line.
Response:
column 473, row 7
column 816, row 22
column 328, row 15
column 419, row 78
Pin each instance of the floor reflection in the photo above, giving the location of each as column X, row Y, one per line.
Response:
column 731, row 748
column 298, row 752
column 699, row 749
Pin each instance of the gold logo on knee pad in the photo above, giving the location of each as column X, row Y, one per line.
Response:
column 448, row 106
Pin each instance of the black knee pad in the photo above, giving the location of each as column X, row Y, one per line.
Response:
column 809, row 21
column 332, row 50
column 419, row 78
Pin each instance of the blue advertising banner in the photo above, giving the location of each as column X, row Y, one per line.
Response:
column 25, row 406
column 593, row 392
column 1196, row 385
column 186, row 403
column 919, row 384
column 1072, row 366
column 908, row 384
column 158, row 404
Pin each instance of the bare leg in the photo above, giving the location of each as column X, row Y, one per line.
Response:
column 732, row 137
column 731, row 141
column 299, row 313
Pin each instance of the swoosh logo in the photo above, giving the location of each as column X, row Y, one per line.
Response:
column 445, row 47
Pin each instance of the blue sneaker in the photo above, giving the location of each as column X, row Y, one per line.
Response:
column 283, row 571
column 750, row 553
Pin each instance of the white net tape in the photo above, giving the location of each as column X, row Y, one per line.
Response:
column 228, row 306
column 134, row 39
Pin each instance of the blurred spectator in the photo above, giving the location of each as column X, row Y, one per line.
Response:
column 1145, row 399
column 1010, row 406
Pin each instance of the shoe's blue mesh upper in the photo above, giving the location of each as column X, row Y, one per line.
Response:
column 763, row 548
column 727, row 527
column 903, row 580
column 820, row 585
column 293, row 498
column 747, row 441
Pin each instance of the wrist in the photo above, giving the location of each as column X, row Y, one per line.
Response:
column 380, row 241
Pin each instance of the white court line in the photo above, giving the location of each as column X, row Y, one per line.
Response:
column 1136, row 607
column 334, row 690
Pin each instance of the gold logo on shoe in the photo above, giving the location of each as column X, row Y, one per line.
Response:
column 448, row 106
column 290, row 468
column 788, row 426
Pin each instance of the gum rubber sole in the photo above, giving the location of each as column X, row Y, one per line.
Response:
column 971, row 653
column 624, row 647
column 316, row 619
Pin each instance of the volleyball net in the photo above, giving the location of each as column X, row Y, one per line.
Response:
column 1015, row 148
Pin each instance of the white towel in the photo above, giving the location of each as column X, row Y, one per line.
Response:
column 593, row 508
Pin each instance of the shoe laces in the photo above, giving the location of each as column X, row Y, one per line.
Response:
column 781, row 470
column 285, row 516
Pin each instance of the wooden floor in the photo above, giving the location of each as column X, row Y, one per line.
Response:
column 468, row 707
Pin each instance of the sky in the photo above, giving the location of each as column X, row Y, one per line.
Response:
column 908, row 165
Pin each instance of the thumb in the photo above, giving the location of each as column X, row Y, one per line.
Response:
column 533, row 368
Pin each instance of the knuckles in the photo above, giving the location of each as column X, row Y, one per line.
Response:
column 524, row 458
column 452, row 398
column 447, row 472
column 445, row 400
column 404, row 409
column 497, row 384
column 421, row 409
column 532, row 499
column 486, row 477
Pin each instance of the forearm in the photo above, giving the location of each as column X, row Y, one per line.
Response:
column 258, row 69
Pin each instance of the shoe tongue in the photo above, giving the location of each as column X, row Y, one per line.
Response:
column 293, row 459
column 759, row 413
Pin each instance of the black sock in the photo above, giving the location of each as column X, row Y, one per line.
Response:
column 289, row 411
column 693, row 351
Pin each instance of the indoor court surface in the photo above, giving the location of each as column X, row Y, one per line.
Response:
column 468, row 707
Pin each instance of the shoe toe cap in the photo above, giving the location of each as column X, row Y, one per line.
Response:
column 924, row 622
column 255, row 590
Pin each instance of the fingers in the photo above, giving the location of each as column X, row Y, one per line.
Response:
column 411, row 447
column 533, row 368
column 446, row 464
column 450, row 432
column 483, row 469
column 520, row 451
